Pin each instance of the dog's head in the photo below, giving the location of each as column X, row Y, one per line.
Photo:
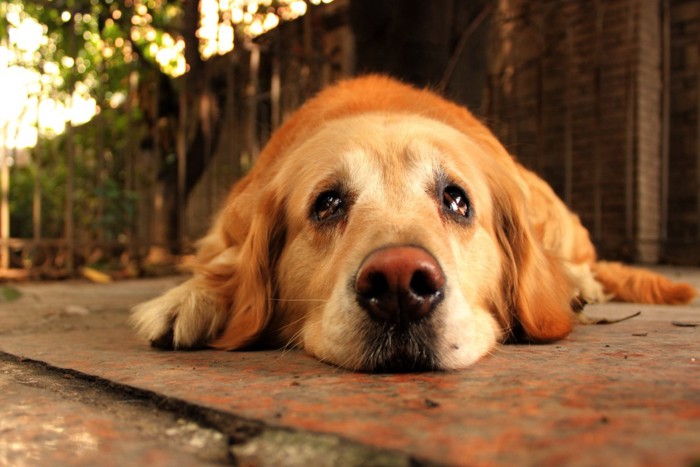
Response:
column 384, row 229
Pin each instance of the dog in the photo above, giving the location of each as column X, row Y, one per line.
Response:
column 385, row 229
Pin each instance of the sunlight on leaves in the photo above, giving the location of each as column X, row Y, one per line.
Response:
column 45, row 86
column 221, row 19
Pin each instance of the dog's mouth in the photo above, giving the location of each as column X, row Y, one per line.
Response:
column 400, row 348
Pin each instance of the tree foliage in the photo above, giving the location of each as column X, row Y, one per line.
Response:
column 97, row 50
column 144, row 67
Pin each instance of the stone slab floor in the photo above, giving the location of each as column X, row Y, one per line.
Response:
column 78, row 388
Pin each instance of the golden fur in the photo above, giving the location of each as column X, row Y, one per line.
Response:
column 269, row 272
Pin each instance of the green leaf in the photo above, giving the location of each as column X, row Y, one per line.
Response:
column 9, row 294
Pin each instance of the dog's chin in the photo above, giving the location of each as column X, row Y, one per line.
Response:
column 400, row 348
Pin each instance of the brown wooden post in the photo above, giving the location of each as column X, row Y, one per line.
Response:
column 4, row 204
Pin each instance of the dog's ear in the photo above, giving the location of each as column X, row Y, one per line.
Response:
column 237, row 259
column 537, row 291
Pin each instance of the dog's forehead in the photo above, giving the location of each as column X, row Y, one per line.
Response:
column 381, row 146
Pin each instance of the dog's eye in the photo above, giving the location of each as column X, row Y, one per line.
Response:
column 328, row 205
column 455, row 202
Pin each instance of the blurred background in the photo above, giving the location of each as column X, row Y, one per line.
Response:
column 124, row 123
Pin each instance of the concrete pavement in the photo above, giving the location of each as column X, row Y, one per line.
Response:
column 77, row 388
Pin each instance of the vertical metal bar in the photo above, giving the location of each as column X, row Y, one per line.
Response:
column 666, row 124
column 69, row 233
column 133, row 180
column 181, row 147
column 540, row 157
column 206, row 105
column 149, row 204
column 252, row 92
column 630, row 127
column 275, row 84
column 568, row 118
column 4, row 205
column 231, row 116
column 514, row 117
column 697, row 156
column 309, row 60
column 597, row 156
column 100, row 124
column 36, row 197
column 70, row 160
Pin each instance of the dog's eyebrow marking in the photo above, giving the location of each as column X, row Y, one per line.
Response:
column 438, row 183
column 439, row 179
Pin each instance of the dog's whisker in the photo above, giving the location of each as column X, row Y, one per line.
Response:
column 291, row 300
column 302, row 318
column 296, row 339
column 293, row 342
column 282, row 328
column 494, row 350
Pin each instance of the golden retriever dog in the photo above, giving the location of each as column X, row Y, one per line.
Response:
column 384, row 228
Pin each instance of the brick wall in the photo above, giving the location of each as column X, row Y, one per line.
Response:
column 683, row 235
column 575, row 91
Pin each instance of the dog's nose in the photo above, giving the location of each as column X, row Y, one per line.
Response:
column 402, row 283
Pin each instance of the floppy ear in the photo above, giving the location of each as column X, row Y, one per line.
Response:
column 538, row 292
column 236, row 261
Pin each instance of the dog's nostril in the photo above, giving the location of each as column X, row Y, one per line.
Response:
column 424, row 283
column 374, row 294
column 375, row 285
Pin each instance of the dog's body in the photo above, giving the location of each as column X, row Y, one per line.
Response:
column 384, row 228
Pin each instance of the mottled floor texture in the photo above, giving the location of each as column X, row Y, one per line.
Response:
column 78, row 388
